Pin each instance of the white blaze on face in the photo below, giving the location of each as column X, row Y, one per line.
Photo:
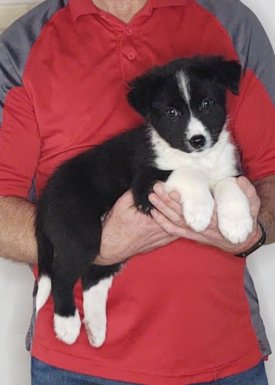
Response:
column 195, row 126
column 183, row 83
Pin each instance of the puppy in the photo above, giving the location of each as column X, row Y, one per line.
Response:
column 183, row 142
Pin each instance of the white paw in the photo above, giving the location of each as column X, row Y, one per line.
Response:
column 67, row 329
column 96, row 328
column 197, row 213
column 235, row 224
column 94, row 306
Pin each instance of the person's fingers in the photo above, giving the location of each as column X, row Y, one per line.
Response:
column 172, row 201
column 175, row 195
column 165, row 223
column 167, row 210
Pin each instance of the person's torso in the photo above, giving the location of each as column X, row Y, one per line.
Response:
column 178, row 314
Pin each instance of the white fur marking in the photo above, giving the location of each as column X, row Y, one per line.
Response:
column 67, row 329
column 215, row 166
column 94, row 306
column 196, row 127
column 183, row 83
column 197, row 201
column 216, row 163
column 43, row 292
column 234, row 218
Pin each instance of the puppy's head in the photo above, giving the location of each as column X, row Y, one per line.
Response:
column 185, row 100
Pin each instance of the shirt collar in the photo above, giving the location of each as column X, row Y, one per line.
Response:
column 86, row 7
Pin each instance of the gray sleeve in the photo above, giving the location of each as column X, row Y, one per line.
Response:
column 256, row 318
column 16, row 43
column 248, row 37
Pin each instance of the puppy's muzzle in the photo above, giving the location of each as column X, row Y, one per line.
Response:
column 197, row 141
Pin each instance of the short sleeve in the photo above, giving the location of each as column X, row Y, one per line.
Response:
column 254, row 120
column 19, row 144
column 254, row 128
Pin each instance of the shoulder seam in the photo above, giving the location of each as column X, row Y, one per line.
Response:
column 248, row 37
column 17, row 41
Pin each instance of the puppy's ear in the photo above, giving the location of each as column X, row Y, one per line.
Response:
column 226, row 73
column 142, row 92
column 229, row 74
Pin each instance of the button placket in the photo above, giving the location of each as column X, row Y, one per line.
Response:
column 128, row 46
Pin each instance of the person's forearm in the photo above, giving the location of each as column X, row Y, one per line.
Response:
column 17, row 239
column 266, row 191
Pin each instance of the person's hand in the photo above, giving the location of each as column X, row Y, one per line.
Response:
column 128, row 232
column 168, row 214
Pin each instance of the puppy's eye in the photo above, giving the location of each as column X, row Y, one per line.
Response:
column 206, row 104
column 172, row 113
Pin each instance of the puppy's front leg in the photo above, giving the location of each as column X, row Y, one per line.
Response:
column 143, row 185
column 197, row 201
column 233, row 211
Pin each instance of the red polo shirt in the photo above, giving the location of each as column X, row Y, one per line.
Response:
column 177, row 315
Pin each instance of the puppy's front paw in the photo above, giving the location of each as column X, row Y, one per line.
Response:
column 198, row 213
column 67, row 329
column 142, row 202
column 235, row 222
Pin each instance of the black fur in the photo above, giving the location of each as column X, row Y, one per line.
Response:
column 83, row 189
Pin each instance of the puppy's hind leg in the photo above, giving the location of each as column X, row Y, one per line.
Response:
column 76, row 245
column 96, row 285
column 66, row 316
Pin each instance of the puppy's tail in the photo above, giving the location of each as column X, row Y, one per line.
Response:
column 43, row 291
column 45, row 260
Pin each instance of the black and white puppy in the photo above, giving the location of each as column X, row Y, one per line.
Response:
column 184, row 141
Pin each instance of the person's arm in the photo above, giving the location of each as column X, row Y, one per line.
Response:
column 168, row 214
column 266, row 191
column 20, row 151
column 126, row 231
column 17, row 240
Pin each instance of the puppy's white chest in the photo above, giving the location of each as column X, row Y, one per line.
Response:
column 215, row 163
column 201, row 179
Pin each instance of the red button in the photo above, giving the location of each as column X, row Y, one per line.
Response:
column 129, row 32
column 131, row 55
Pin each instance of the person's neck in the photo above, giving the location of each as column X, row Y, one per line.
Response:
column 124, row 10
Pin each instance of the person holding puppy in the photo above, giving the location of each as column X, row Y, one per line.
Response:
column 186, row 319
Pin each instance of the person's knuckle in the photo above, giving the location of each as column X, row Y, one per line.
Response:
column 170, row 229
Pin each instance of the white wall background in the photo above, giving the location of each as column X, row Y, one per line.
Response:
column 16, row 281
column 262, row 263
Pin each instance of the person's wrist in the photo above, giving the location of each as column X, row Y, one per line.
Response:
column 257, row 240
column 109, row 255
column 107, row 261
column 100, row 260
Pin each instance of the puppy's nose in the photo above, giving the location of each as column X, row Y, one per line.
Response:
column 197, row 141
